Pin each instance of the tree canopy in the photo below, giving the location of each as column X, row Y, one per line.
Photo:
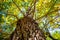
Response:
column 45, row 12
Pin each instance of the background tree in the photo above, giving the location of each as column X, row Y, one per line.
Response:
column 45, row 12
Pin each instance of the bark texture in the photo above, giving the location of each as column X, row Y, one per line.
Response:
column 27, row 29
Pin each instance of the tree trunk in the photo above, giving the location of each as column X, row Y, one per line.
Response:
column 27, row 29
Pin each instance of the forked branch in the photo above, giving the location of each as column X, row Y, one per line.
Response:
column 31, row 9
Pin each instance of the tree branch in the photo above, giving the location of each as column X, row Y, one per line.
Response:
column 34, row 7
column 48, row 14
column 48, row 11
column 18, row 8
column 48, row 33
column 8, row 13
column 31, row 9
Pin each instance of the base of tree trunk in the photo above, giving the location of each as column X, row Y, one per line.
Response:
column 27, row 29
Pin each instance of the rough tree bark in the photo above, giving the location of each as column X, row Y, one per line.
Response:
column 27, row 29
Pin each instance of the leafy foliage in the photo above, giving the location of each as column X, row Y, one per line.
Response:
column 47, row 14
